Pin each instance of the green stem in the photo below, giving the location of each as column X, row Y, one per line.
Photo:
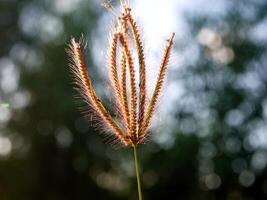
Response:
column 137, row 173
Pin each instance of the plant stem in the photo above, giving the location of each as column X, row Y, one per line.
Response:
column 137, row 173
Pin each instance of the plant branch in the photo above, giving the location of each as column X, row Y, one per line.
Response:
column 137, row 172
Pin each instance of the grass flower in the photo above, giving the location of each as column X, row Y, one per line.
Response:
column 134, row 111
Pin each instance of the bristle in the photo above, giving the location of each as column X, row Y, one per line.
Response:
column 114, row 74
column 124, row 28
column 160, row 80
column 81, row 78
column 142, row 68
column 133, row 96
column 119, row 100
column 124, row 95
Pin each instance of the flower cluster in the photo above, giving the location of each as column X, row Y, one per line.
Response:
column 134, row 111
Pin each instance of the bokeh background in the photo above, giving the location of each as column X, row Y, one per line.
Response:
column 209, row 138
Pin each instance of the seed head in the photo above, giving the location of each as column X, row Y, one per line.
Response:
column 135, row 113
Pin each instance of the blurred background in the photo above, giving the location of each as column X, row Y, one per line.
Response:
column 209, row 138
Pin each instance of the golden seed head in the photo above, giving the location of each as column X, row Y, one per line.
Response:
column 134, row 112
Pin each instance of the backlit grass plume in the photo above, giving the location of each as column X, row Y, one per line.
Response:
column 134, row 111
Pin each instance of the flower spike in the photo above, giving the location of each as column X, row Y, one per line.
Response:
column 83, row 83
column 135, row 114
